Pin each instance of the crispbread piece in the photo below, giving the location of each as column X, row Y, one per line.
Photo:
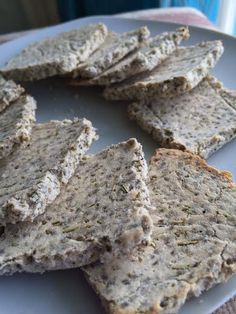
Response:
column 9, row 91
column 57, row 55
column 32, row 176
column 103, row 207
column 228, row 95
column 146, row 58
column 115, row 47
column 193, row 240
column 201, row 120
column 16, row 123
column 177, row 74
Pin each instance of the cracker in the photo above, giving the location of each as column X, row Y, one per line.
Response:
column 9, row 92
column 57, row 55
column 16, row 123
column 115, row 47
column 177, row 74
column 200, row 121
column 32, row 176
column 193, row 246
column 150, row 55
column 102, row 208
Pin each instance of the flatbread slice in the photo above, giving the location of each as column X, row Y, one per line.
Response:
column 200, row 121
column 102, row 208
column 150, row 55
column 9, row 91
column 16, row 123
column 177, row 74
column 228, row 95
column 57, row 55
column 32, row 176
column 193, row 240
column 115, row 47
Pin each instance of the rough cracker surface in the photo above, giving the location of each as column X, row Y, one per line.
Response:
column 201, row 121
column 16, row 123
column 193, row 247
column 228, row 95
column 57, row 55
column 103, row 207
column 9, row 91
column 177, row 74
column 114, row 48
column 32, row 176
column 146, row 58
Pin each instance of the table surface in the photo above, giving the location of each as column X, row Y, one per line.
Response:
column 230, row 306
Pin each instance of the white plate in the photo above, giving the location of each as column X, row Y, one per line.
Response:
column 66, row 292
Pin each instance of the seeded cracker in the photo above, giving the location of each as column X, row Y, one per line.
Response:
column 9, row 91
column 177, row 74
column 114, row 48
column 16, row 123
column 201, row 120
column 228, row 95
column 151, row 53
column 193, row 245
column 57, row 55
column 103, row 207
column 32, row 176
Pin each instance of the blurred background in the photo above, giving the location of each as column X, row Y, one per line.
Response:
column 17, row 15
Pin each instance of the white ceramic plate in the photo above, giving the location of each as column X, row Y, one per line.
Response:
column 66, row 292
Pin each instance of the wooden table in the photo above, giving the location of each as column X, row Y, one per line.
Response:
column 230, row 306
